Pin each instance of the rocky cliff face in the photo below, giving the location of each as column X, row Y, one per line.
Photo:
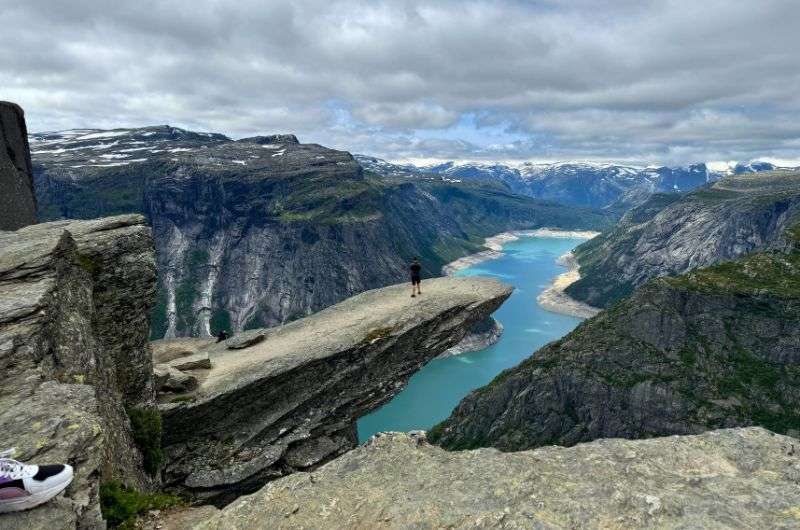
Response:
column 74, row 358
column 18, row 201
column 672, row 234
column 265, row 230
column 741, row 478
column 287, row 398
column 719, row 347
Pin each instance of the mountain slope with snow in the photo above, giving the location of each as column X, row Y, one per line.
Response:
column 615, row 186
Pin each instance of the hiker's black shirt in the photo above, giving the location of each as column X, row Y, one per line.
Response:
column 416, row 269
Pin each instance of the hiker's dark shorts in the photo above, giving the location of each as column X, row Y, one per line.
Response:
column 416, row 280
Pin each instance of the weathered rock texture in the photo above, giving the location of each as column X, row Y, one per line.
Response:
column 17, row 200
column 673, row 234
column 261, row 231
column 739, row 478
column 480, row 336
column 719, row 347
column 290, row 401
column 74, row 299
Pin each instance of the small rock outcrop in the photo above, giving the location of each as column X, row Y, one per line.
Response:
column 17, row 200
column 738, row 478
column 74, row 357
column 482, row 335
column 718, row 347
column 290, row 400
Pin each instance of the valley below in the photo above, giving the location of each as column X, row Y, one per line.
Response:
column 529, row 264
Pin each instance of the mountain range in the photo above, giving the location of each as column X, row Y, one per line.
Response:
column 264, row 230
column 614, row 186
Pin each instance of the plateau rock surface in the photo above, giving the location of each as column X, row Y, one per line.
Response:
column 737, row 478
column 287, row 398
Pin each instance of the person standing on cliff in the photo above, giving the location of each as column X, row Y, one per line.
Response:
column 416, row 277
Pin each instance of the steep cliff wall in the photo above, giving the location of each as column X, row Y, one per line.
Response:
column 17, row 201
column 74, row 358
column 718, row 347
column 672, row 234
column 285, row 399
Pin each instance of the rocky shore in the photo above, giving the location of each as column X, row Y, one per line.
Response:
column 480, row 336
column 556, row 300
column 495, row 244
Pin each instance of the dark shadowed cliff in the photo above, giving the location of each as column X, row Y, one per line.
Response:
column 17, row 199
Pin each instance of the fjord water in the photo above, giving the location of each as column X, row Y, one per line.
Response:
column 529, row 264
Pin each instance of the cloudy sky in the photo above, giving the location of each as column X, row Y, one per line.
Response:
column 659, row 81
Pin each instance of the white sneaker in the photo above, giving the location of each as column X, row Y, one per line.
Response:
column 24, row 486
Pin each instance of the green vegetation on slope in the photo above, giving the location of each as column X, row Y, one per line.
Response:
column 672, row 233
column 714, row 348
column 122, row 505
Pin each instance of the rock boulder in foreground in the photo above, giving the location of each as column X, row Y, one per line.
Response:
column 285, row 399
column 737, row 478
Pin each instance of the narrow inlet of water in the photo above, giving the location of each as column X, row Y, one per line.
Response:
column 529, row 264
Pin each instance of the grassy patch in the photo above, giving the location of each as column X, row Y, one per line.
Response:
column 88, row 264
column 121, row 505
column 146, row 427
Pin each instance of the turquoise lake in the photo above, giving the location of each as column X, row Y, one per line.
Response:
column 529, row 264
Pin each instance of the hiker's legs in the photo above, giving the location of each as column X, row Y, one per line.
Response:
column 413, row 289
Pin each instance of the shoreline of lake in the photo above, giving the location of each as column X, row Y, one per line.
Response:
column 495, row 243
column 556, row 300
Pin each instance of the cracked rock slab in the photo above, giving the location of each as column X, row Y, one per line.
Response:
column 737, row 478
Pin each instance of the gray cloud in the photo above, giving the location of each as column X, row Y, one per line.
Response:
column 661, row 81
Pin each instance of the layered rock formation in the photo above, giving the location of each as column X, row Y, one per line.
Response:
column 264, row 230
column 74, row 359
column 718, row 347
column 284, row 399
column 17, row 201
column 740, row 478
column 672, row 234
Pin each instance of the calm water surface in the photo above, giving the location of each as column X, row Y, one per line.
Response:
column 432, row 393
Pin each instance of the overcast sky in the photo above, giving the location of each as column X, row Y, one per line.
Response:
column 628, row 80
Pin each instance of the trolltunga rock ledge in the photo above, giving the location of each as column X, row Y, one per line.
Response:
column 287, row 398
column 736, row 478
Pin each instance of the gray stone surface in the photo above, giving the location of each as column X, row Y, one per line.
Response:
column 170, row 379
column 739, row 478
column 74, row 298
column 166, row 350
column 18, row 199
column 197, row 361
column 291, row 401
column 482, row 335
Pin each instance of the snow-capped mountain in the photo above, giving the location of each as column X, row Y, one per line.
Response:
column 578, row 183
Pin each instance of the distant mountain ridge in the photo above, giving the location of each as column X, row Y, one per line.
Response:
column 263, row 230
column 598, row 185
